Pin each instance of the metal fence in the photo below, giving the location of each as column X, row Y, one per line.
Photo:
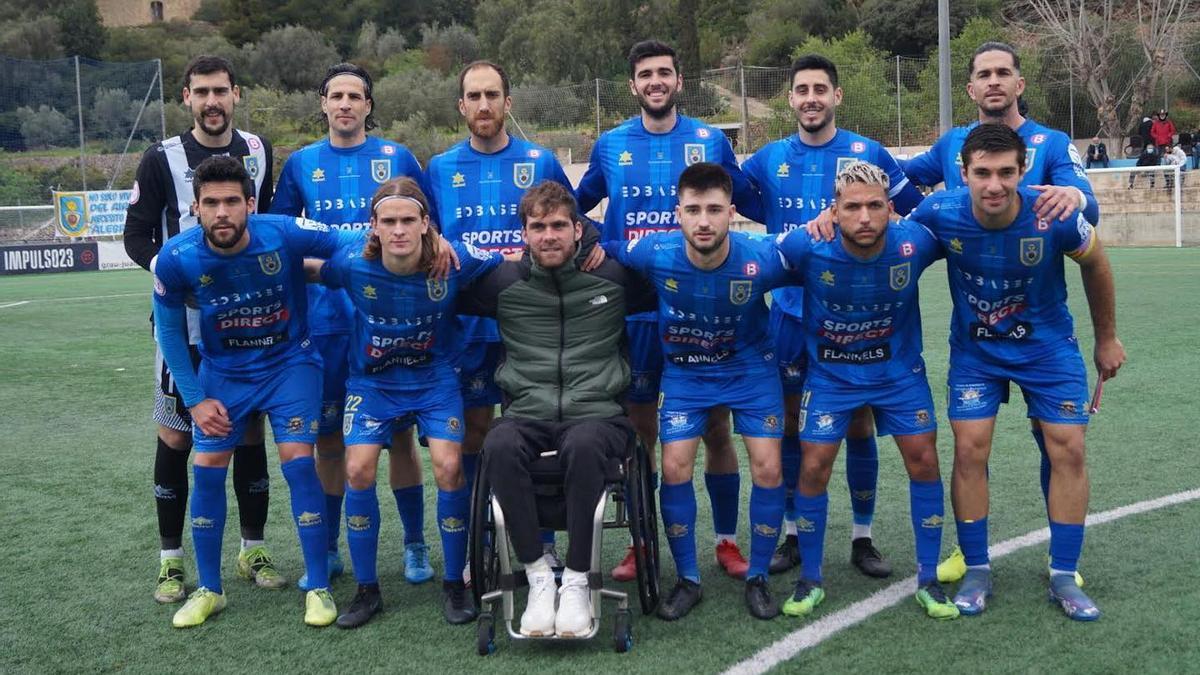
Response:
column 98, row 111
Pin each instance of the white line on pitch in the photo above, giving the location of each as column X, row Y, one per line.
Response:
column 822, row 629
column 80, row 297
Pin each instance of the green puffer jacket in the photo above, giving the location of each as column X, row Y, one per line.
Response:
column 563, row 331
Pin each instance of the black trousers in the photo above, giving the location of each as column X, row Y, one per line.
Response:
column 584, row 448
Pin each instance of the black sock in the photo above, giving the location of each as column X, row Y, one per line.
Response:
column 252, row 487
column 170, row 493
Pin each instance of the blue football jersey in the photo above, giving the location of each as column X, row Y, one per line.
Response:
column 253, row 306
column 710, row 321
column 334, row 186
column 638, row 172
column 863, row 319
column 405, row 331
column 1007, row 285
column 1050, row 159
column 796, row 183
column 474, row 198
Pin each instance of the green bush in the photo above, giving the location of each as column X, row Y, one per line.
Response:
column 45, row 127
column 421, row 91
column 420, row 137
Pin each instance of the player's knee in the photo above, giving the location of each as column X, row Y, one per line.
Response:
column 360, row 472
column 676, row 469
column 923, row 466
column 175, row 439
column 766, row 471
column 447, row 470
column 1068, row 456
column 216, row 460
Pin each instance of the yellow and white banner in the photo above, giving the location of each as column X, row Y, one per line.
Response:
column 94, row 213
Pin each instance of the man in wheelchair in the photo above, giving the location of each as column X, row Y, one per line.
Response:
column 562, row 377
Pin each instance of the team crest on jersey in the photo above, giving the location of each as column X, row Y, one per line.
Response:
column 381, row 170
column 784, row 170
column 1031, row 251
column 858, row 147
column 739, row 291
column 693, row 153
column 898, row 276
column 523, row 174
column 270, row 263
column 253, row 143
column 437, row 289
column 1037, row 139
column 388, row 150
column 907, row 249
column 1042, row 225
column 251, row 164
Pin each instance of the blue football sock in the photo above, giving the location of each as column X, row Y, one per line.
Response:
column 452, row 508
column 766, row 515
column 469, row 462
column 973, row 540
column 410, row 501
column 208, row 522
column 791, row 473
column 362, row 532
column 1040, row 439
column 678, row 503
column 723, row 495
column 926, row 501
column 862, row 475
column 307, row 507
column 547, row 537
column 1066, row 543
column 333, row 511
column 810, row 532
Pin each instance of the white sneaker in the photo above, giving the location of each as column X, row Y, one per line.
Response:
column 574, row 606
column 538, row 619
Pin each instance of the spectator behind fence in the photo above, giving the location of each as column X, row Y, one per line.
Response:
column 1162, row 131
column 1175, row 157
column 1097, row 153
column 1144, row 128
column 1149, row 157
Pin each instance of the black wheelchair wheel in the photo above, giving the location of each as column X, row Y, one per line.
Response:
column 484, row 560
column 622, row 632
column 485, row 634
column 643, row 530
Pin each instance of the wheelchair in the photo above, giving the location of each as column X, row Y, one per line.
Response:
column 627, row 503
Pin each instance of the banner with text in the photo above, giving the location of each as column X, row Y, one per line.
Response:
column 96, row 213
column 35, row 258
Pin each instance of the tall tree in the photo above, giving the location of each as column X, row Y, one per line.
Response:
column 689, row 37
column 81, row 30
column 1091, row 33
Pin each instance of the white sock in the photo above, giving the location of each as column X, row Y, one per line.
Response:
column 572, row 578
column 860, row 531
column 789, row 528
column 251, row 543
column 539, row 566
column 731, row 538
column 170, row 553
column 1054, row 572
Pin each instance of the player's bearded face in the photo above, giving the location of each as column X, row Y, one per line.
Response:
column 223, row 211
column 400, row 225
column 211, row 99
column 655, row 84
column 483, row 102
column 992, row 178
column 704, row 218
column 814, row 99
column 862, row 212
column 995, row 83
column 552, row 237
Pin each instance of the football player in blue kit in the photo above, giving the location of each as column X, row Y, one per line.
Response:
column 863, row 335
column 795, row 178
column 474, row 189
column 712, row 321
column 1053, row 167
column 402, row 364
column 636, row 167
column 332, row 181
column 245, row 275
column 1010, row 323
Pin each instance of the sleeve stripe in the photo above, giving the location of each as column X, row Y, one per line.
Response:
column 1085, row 249
column 895, row 190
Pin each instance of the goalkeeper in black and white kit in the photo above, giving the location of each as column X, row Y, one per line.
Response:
column 159, row 208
